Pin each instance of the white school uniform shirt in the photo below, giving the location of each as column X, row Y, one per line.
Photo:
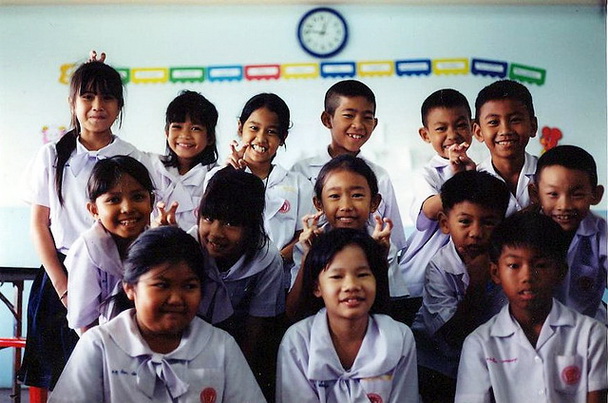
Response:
column 95, row 272
column 254, row 288
column 186, row 189
column 427, row 238
column 71, row 219
column 310, row 168
column 585, row 282
column 569, row 360
column 521, row 198
column 287, row 198
column 446, row 283
column 309, row 370
column 396, row 282
column 113, row 363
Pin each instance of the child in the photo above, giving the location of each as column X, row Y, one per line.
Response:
column 446, row 125
column 535, row 346
column 159, row 351
column 120, row 200
column 347, row 351
column 505, row 121
column 458, row 295
column 565, row 186
column 191, row 152
column 350, row 109
column 346, row 193
column 246, row 266
column 263, row 127
column 58, row 180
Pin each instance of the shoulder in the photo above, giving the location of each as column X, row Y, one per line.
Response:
column 393, row 328
column 299, row 333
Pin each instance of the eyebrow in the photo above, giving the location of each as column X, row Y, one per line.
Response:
column 346, row 188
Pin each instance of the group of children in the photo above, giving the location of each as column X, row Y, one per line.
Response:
column 304, row 278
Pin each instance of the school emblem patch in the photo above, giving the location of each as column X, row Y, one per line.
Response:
column 374, row 398
column 285, row 207
column 208, row 395
column 571, row 375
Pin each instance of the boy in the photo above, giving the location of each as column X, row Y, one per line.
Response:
column 565, row 186
column 505, row 121
column 350, row 109
column 458, row 295
column 535, row 348
column 446, row 125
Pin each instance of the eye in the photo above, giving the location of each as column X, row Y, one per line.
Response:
column 364, row 274
column 358, row 195
column 369, row 118
column 140, row 196
column 207, row 219
column 440, row 129
column 335, row 276
column 512, row 265
column 87, row 96
column 194, row 285
column 108, row 97
column 161, row 284
column 196, row 129
column 463, row 126
column 464, row 221
column 112, row 199
column 516, row 119
column 492, row 122
column 333, row 196
column 348, row 115
column 176, row 126
column 253, row 128
column 552, row 194
column 272, row 132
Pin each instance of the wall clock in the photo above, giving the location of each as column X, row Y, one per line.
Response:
column 322, row 32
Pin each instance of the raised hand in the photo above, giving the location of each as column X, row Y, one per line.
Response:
column 237, row 156
column 382, row 232
column 459, row 160
column 93, row 57
column 310, row 230
column 165, row 217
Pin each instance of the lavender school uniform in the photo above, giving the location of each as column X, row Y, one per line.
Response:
column 186, row 189
column 309, row 370
column 95, row 273
column 113, row 363
column 389, row 208
column 49, row 339
column 568, row 361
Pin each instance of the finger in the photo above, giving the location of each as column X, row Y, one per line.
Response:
column 102, row 58
column 92, row 56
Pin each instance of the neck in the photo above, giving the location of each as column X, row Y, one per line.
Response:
column 162, row 343
column 95, row 141
column 122, row 245
column 184, row 165
column 509, row 170
column 532, row 320
column 335, row 151
column 347, row 337
column 261, row 170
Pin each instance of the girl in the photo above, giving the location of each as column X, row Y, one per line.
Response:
column 346, row 193
column 120, row 200
column 191, row 153
column 348, row 351
column 58, row 179
column 159, row 351
column 263, row 127
column 246, row 267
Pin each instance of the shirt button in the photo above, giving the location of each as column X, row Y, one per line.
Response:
column 537, row 359
column 541, row 392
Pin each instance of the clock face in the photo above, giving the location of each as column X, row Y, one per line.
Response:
column 322, row 32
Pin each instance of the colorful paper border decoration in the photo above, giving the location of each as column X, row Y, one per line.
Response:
column 344, row 69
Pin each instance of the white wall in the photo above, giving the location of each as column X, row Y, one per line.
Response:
column 568, row 41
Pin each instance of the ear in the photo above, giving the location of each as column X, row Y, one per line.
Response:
column 477, row 132
column 533, row 192
column 326, row 120
column 424, row 134
column 129, row 290
column 534, row 126
column 597, row 194
column 317, row 202
column 375, row 124
column 494, row 273
column 92, row 208
column 376, row 202
column 316, row 291
column 443, row 222
column 239, row 129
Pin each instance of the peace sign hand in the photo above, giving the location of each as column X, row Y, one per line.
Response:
column 237, row 157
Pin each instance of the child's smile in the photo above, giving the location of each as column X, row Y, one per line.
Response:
column 261, row 132
column 351, row 125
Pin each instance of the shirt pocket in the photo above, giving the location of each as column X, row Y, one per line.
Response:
column 568, row 374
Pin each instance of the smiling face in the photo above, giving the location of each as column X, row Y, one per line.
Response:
column 96, row 112
column 528, row 279
column 565, row 195
column 470, row 226
column 166, row 300
column 223, row 240
column 261, row 132
column 347, row 285
column 187, row 140
column 124, row 210
column 351, row 125
column 505, row 126
column 446, row 126
column 346, row 200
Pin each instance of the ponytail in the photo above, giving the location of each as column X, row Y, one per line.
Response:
column 65, row 146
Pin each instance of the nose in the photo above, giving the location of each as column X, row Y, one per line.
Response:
column 175, row 296
column 505, row 126
column 453, row 135
column 126, row 205
column 528, row 273
column 357, row 122
column 475, row 230
column 98, row 103
column 346, row 204
column 351, row 283
column 216, row 229
column 563, row 203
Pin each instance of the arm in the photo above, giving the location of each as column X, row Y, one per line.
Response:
column 45, row 247
column 287, row 251
column 597, row 377
column 432, row 207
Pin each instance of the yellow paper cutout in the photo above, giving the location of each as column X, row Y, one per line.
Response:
column 150, row 75
column 451, row 66
column 300, row 70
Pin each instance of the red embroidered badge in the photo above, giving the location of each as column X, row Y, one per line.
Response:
column 374, row 398
column 208, row 395
column 571, row 375
column 285, row 207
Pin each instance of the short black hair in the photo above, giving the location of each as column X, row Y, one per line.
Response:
column 322, row 252
column 349, row 163
column 532, row 230
column 475, row 187
column 347, row 88
column 444, row 98
column 274, row 104
column 570, row 157
column 107, row 172
column 504, row 89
